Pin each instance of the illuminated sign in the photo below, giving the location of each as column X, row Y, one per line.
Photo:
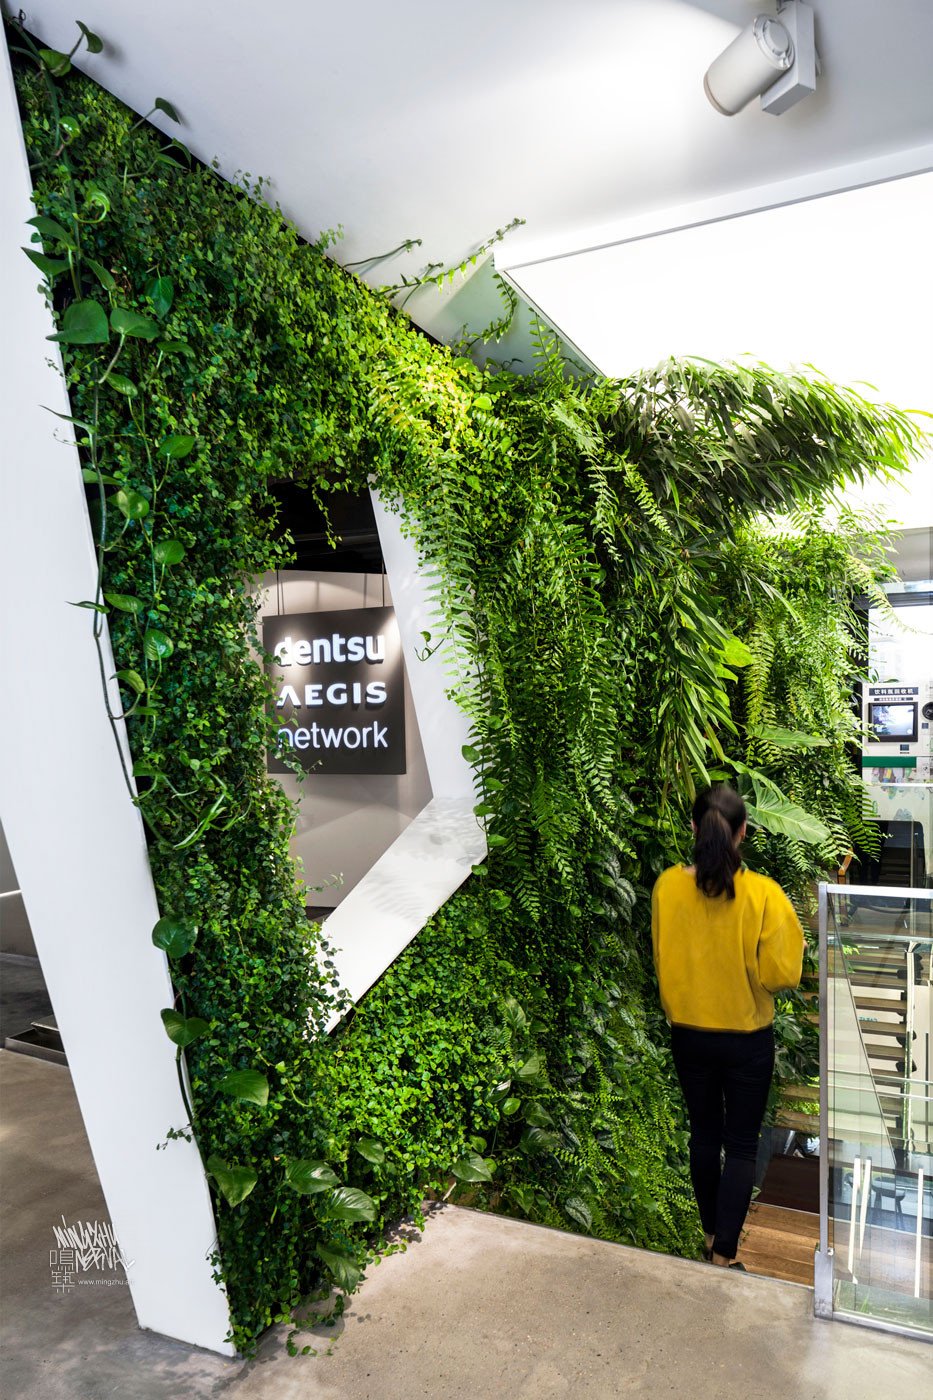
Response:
column 339, row 690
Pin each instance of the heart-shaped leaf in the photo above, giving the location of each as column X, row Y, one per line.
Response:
column 133, row 679
column 157, row 645
column 246, row 1084
column 350, row 1203
column 84, row 323
column 234, row 1182
column 56, row 62
column 121, row 384
column 537, row 1116
column 133, row 323
column 131, row 504
column 472, row 1167
column 168, row 552
column 125, row 602
column 511, row 1105
column 343, row 1268
column 309, row 1178
column 579, row 1211
column 531, row 1069
column 176, row 937
column 177, row 445
column 182, row 1030
column 161, row 105
column 161, row 292
column 370, row 1149
column 94, row 44
column 175, row 347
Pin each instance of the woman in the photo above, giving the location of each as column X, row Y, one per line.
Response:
column 725, row 939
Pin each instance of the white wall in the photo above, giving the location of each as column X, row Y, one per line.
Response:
column 344, row 821
column 75, row 838
column 433, row 855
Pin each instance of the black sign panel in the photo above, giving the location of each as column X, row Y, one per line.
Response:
column 339, row 690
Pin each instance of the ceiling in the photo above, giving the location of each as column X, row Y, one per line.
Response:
column 428, row 120
column 586, row 118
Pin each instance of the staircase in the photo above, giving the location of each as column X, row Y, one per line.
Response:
column 42, row 1041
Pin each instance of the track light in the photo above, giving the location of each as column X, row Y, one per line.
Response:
column 773, row 58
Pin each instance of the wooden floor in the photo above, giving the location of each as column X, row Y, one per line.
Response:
column 779, row 1243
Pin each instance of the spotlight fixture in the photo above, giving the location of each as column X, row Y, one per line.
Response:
column 773, row 58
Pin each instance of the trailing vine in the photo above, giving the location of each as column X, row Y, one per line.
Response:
column 619, row 626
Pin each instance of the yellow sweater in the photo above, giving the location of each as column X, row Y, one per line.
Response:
column 719, row 960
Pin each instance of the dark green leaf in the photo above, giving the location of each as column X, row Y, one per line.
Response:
column 125, row 602
column 168, row 552
column 94, row 44
column 309, row 1178
column 133, row 679
column 161, row 105
column 370, row 1149
column 579, row 1211
column 246, row 1084
column 177, row 445
column 343, row 1268
column 157, row 645
column 161, row 292
column 50, row 267
column 122, row 384
column 531, row 1069
column 56, row 62
column 105, row 279
column 234, row 1182
column 52, row 230
column 86, row 603
column 84, row 323
column 131, row 504
column 176, row 937
column 349, row 1203
column 182, row 1030
column 132, row 323
column 472, row 1167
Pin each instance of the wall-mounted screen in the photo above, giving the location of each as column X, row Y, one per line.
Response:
column 892, row 722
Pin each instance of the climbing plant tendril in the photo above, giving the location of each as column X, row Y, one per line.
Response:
column 620, row 625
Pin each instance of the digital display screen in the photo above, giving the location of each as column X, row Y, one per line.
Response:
column 892, row 721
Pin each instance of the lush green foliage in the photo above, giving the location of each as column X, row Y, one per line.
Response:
column 608, row 606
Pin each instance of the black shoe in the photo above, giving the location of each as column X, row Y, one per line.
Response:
column 737, row 1265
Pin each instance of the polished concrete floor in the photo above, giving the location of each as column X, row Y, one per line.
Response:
column 477, row 1307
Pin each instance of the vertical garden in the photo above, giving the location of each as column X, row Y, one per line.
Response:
column 638, row 590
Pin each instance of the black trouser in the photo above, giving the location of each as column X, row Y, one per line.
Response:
column 725, row 1076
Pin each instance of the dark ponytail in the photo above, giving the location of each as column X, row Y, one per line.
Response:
column 718, row 815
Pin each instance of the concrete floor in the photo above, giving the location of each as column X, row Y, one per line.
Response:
column 477, row 1307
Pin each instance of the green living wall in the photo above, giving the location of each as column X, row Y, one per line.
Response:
column 621, row 625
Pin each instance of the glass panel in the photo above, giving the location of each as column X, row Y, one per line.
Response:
column 878, row 1025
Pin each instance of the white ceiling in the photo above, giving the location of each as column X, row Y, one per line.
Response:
column 440, row 121
column 586, row 118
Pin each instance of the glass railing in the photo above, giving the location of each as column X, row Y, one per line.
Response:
column 874, row 1263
